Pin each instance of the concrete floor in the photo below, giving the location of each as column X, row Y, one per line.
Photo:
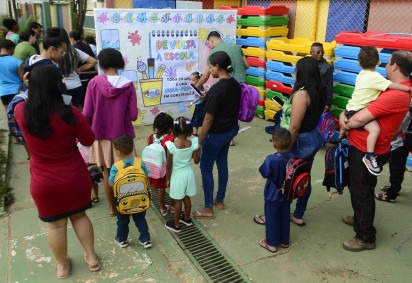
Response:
column 315, row 254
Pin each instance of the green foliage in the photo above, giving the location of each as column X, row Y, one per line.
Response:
column 24, row 23
column 5, row 190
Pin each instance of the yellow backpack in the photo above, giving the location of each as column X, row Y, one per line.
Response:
column 130, row 187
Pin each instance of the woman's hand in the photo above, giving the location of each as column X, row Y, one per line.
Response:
column 343, row 122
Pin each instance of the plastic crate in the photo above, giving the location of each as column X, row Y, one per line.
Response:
column 255, row 81
column 269, row 94
column 273, row 10
column 252, row 41
column 340, row 101
column 256, row 62
column 255, row 71
column 284, row 57
column 272, row 105
column 299, row 45
column 343, row 89
column 280, row 77
column 279, row 87
column 262, row 32
column 270, row 114
column 375, row 38
column 336, row 112
column 257, row 21
column 254, row 51
column 353, row 66
column 260, row 112
column 262, row 92
column 345, row 77
column 351, row 52
column 282, row 67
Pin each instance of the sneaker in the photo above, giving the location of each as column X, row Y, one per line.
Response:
column 356, row 245
column 170, row 225
column 147, row 244
column 385, row 189
column 348, row 220
column 372, row 165
column 187, row 222
column 121, row 244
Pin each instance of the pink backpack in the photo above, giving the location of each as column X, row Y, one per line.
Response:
column 249, row 97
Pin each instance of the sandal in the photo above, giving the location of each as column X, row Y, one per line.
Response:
column 95, row 200
column 297, row 221
column 199, row 215
column 219, row 205
column 92, row 268
column 384, row 197
column 64, row 276
column 266, row 246
column 259, row 219
column 285, row 246
column 164, row 212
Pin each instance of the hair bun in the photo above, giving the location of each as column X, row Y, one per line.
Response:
column 53, row 32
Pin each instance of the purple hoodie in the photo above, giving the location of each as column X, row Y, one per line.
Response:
column 110, row 110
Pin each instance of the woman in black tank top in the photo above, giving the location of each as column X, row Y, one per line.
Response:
column 307, row 106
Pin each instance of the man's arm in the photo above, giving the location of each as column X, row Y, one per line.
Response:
column 245, row 63
column 328, row 81
column 360, row 119
column 205, row 76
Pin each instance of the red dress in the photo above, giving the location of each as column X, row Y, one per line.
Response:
column 160, row 183
column 60, row 184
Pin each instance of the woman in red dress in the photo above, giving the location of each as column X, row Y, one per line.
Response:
column 60, row 184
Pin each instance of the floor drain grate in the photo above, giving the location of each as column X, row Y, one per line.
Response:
column 210, row 260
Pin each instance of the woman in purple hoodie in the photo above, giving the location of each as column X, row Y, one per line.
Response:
column 110, row 107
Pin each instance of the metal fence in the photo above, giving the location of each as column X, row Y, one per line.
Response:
column 322, row 19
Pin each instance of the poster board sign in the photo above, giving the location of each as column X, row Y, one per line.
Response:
column 161, row 49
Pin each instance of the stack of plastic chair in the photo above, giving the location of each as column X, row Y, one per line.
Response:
column 346, row 63
column 257, row 25
column 282, row 55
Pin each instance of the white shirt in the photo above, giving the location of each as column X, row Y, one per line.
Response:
column 73, row 80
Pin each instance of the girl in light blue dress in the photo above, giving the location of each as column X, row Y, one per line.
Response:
column 180, row 175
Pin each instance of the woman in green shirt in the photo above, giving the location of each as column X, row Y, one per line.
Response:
column 25, row 49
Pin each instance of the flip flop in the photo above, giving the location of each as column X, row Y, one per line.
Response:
column 198, row 215
column 258, row 219
column 95, row 200
column 95, row 267
column 265, row 245
column 68, row 272
column 297, row 223
column 384, row 197
column 219, row 205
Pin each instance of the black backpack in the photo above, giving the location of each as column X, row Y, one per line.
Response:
column 297, row 178
column 337, row 167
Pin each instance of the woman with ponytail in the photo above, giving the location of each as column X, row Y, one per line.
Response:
column 220, row 126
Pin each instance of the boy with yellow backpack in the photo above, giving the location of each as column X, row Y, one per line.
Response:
column 130, row 189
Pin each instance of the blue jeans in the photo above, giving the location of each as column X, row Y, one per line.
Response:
column 306, row 146
column 215, row 147
column 123, row 226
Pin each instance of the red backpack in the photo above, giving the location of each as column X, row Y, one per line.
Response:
column 249, row 97
column 297, row 178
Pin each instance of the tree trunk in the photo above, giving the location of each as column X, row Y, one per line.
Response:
column 79, row 8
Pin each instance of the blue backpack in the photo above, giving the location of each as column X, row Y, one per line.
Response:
column 327, row 127
column 337, row 167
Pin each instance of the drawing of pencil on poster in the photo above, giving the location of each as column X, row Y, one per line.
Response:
column 166, row 74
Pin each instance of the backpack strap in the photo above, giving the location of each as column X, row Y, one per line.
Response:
column 156, row 140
